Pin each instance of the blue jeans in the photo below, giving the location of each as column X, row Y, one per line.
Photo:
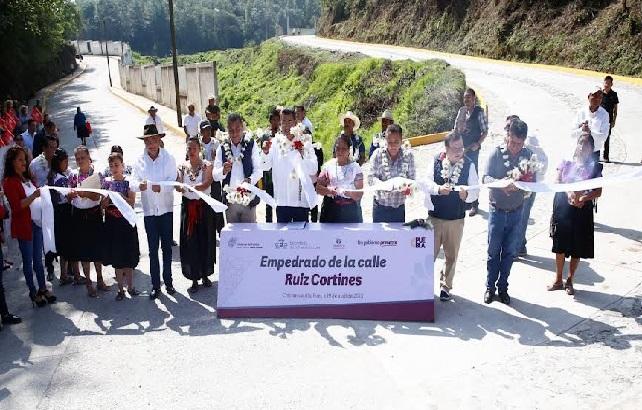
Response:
column 287, row 214
column 160, row 229
column 526, row 214
column 32, row 260
column 503, row 239
column 381, row 213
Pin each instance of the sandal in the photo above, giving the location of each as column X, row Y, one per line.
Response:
column 49, row 297
column 555, row 286
column 568, row 287
column 65, row 281
column 80, row 281
column 133, row 292
column 121, row 295
column 193, row 288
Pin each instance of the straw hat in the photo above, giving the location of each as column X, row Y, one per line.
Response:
column 353, row 117
column 387, row 115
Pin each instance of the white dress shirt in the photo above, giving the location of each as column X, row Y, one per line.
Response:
column 209, row 149
column 238, row 175
column 156, row 120
column 473, row 194
column 163, row 168
column 287, row 190
column 598, row 123
column 28, row 139
column 191, row 122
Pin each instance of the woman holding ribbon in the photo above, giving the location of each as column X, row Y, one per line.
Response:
column 87, row 220
column 121, row 239
column 198, row 235
column 26, row 217
column 572, row 221
column 337, row 182
column 59, row 177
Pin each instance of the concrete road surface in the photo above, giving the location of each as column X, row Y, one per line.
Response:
column 545, row 350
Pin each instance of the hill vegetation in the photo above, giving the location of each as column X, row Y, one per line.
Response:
column 201, row 25
column 604, row 35
column 424, row 96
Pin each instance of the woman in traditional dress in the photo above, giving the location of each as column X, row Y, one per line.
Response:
column 87, row 222
column 59, row 177
column 572, row 221
column 198, row 240
column 338, row 177
column 121, row 249
column 26, row 219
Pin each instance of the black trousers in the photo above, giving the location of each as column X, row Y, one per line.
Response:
column 606, row 145
column 287, row 214
column 3, row 302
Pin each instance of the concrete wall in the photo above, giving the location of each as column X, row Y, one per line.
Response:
column 196, row 83
column 115, row 48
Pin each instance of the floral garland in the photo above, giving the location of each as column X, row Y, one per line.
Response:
column 450, row 173
column 227, row 147
column 238, row 195
column 405, row 166
column 526, row 168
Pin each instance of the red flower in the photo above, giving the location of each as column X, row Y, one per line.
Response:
column 298, row 145
column 528, row 177
column 242, row 191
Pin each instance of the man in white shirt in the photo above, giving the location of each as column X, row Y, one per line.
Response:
column 157, row 165
column 301, row 117
column 155, row 119
column 29, row 134
column 191, row 122
column 237, row 161
column 292, row 202
column 595, row 120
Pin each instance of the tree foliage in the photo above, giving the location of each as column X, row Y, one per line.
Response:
column 200, row 24
column 34, row 33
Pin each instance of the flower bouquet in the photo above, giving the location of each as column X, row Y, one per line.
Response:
column 238, row 195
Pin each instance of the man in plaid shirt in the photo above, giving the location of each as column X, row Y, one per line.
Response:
column 389, row 162
column 472, row 124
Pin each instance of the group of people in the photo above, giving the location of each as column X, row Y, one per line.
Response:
column 228, row 163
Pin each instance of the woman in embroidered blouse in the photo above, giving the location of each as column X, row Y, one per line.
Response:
column 198, row 233
column 59, row 177
column 121, row 249
column 24, row 200
column 338, row 177
column 127, row 170
column 87, row 222
column 572, row 222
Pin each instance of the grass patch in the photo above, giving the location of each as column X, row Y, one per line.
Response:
column 424, row 96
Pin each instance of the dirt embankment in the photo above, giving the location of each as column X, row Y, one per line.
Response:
column 604, row 35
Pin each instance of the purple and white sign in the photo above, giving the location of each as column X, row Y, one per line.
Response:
column 357, row 271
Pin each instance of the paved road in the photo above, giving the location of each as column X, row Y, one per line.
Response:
column 544, row 350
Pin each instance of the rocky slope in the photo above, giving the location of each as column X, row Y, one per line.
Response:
column 603, row 35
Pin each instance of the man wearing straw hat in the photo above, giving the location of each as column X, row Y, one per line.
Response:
column 379, row 139
column 351, row 123
column 157, row 165
column 155, row 119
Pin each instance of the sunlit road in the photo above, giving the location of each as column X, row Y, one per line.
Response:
column 175, row 353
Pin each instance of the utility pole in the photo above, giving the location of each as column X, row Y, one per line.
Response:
column 107, row 52
column 287, row 18
column 172, row 30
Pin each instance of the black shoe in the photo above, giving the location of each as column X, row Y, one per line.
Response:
column 207, row 282
column 170, row 290
column 504, row 298
column 155, row 294
column 444, row 295
column 10, row 319
column 489, row 296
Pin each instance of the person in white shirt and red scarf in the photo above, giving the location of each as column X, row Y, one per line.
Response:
column 157, row 165
column 293, row 191
column 237, row 161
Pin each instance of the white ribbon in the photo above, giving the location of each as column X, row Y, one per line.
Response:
column 213, row 203
column 306, row 183
column 263, row 196
column 48, row 221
